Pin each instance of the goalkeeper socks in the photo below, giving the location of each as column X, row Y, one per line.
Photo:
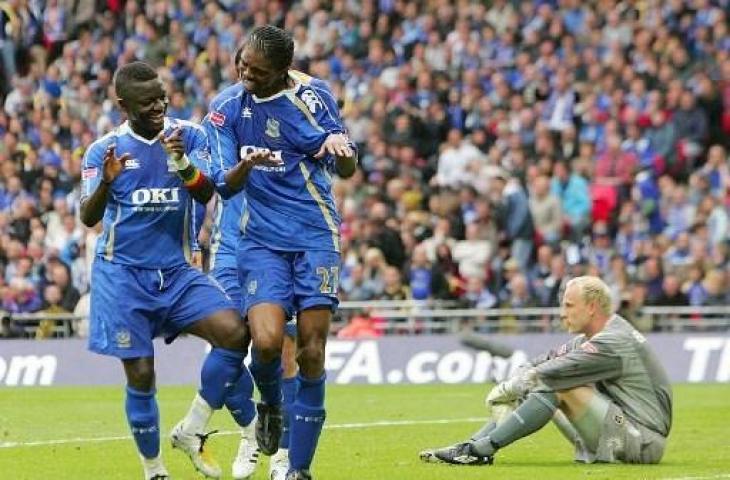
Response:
column 268, row 379
column 239, row 400
column 289, row 391
column 534, row 413
column 221, row 370
column 484, row 431
column 306, row 419
column 143, row 417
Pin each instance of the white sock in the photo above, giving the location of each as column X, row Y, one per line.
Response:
column 198, row 416
column 153, row 466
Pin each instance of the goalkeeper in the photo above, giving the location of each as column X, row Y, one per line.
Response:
column 605, row 390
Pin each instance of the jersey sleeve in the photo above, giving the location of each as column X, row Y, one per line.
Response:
column 594, row 360
column 220, row 128
column 197, row 147
column 319, row 107
column 91, row 171
column 559, row 351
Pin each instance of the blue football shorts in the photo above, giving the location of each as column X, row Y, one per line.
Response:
column 130, row 306
column 295, row 280
column 227, row 278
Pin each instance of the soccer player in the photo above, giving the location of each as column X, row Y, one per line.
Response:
column 140, row 181
column 605, row 389
column 288, row 253
column 223, row 268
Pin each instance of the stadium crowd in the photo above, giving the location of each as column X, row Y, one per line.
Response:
column 505, row 146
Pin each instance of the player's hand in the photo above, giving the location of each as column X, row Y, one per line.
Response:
column 112, row 165
column 337, row 144
column 500, row 394
column 262, row 157
column 196, row 260
column 175, row 148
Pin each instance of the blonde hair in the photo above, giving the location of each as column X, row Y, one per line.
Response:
column 594, row 290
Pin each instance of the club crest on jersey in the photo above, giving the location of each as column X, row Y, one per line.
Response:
column 272, row 128
column 217, row 119
column 131, row 164
column 123, row 339
column 311, row 100
column 246, row 113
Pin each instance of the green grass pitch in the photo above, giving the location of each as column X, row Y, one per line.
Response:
column 373, row 432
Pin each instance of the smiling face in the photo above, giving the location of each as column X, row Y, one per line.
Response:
column 258, row 75
column 145, row 103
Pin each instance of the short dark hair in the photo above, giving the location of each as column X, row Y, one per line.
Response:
column 276, row 44
column 132, row 72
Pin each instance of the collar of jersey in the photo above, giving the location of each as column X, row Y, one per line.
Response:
column 286, row 91
column 125, row 128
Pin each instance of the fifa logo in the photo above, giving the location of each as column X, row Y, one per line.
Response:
column 144, row 196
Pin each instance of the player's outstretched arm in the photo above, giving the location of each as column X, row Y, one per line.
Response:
column 340, row 146
column 199, row 186
column 92, row 207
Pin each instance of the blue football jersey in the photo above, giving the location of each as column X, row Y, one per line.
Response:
column 287, row 208
column 149, row 221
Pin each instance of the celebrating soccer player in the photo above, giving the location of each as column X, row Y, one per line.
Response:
column 288, row 252
column 605, row 390
column 140, row 181
column 224, row 270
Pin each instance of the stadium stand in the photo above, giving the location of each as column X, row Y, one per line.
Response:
column 505, row 146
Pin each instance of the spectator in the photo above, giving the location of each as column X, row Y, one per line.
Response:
column 69, row 295
column 546, row 211
column 393, row 288
column 472, row 253
column 672, row 295
column 572, row 191
column 515, row 217
column 426, row 281
column 51, row 305
column 360, row 326
column 454, row 161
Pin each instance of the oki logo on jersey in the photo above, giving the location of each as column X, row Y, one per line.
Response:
column 277, row 154
column 312, row 101
column 144, row 196
column 217, row 119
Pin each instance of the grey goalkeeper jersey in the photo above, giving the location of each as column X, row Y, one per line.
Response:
column 619, row 361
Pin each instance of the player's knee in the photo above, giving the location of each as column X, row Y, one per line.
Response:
column 311, row 357
column 267, row 346
column 141, row 377
column 268, row 351
column 231, row 333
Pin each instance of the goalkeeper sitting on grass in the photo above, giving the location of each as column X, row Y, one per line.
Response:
column 605, row 390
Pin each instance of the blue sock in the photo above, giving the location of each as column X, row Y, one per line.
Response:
column 268, row 379
column 219, row 375
column 289, row 392
column 144, row 421
column 239, row 400
column 307, row 416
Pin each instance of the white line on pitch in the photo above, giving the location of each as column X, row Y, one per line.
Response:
column 335, row 426
column 702, row 477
